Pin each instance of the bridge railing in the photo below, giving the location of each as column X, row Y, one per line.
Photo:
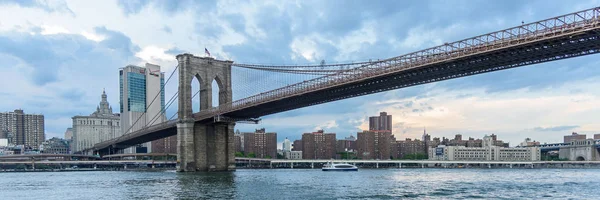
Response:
column 548, row 28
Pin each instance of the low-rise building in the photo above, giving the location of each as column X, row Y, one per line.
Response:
column 489, row 152
column 293, row 155
column 55, row 146
column 573, row 137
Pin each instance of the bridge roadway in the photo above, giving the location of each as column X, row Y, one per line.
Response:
column 566, row 36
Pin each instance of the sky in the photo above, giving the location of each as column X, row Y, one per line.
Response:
column 56, row 58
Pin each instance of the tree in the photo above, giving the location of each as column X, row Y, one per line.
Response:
column 251, row 155
column 239, row 154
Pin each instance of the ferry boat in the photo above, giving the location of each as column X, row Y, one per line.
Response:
column 331, row 166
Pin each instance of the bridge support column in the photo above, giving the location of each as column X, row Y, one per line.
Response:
column 205, row 147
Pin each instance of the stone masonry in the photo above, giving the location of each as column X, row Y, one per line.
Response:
column 204, row 147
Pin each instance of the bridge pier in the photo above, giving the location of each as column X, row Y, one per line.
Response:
column 205, row 147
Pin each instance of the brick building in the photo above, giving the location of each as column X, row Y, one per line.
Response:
column 374, row 145
column 318, row 145
column 261, row 144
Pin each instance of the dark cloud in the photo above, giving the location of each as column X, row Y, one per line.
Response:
column 555, row 128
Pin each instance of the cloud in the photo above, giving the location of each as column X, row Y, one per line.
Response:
column 49, row 6
column 167, row 29
column 555, row 128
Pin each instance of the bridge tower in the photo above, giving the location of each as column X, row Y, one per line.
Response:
column 204, row 146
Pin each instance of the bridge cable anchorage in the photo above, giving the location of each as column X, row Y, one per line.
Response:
column 148, row 106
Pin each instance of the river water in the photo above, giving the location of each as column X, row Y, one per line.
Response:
column 306, row 184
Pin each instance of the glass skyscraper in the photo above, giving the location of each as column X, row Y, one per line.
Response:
column 139, row 87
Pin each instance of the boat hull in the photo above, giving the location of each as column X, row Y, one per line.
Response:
column 350, row 169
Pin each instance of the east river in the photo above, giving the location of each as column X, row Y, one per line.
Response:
column 306, row 184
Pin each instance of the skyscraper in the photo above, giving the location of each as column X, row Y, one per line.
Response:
column 287, row 145
column 142, row 103
column 381, row 122
column 22, row 129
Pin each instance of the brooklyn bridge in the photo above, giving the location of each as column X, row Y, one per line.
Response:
column 205, row 138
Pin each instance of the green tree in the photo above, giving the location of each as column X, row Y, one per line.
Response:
column 251, row 155
column 239, row 154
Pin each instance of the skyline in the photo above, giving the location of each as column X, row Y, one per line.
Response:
column 530, row 101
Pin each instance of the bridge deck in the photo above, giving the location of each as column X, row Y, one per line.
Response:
column 561, row 37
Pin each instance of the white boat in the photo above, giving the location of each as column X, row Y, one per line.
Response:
column 331, row 166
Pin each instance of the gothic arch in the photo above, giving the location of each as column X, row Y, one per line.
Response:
column 205, row 70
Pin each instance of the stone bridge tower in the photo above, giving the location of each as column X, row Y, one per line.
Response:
column 207, row 146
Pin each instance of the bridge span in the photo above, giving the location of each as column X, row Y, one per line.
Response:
column 210, row 131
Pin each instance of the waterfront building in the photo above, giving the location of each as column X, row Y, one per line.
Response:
column 471, row 142
column 55, row 146
column 142, row 104
column 297, row 146
column 381, row 122
column 260, row 143
column 410, row 149
column 318, row 145
column 596, row 136
column 488, row 152
column 374, row 145
column 238, row 141
column 287, row 145
column 348, row 144
column 574, row 136
column 69, row 134
column 293, row 155
column 97, row 127
column 529, row 143
column 22, row 129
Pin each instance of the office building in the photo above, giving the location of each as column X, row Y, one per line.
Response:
column 529, row 143
column 374, row 145
column 69, row 134
column 573, row 137
column 97, row 127
column 260, row 143
column 142, row 104
column 287, row 145
column 318, row 145
column 22, row 129
column 381, row 122
column 487, row 152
